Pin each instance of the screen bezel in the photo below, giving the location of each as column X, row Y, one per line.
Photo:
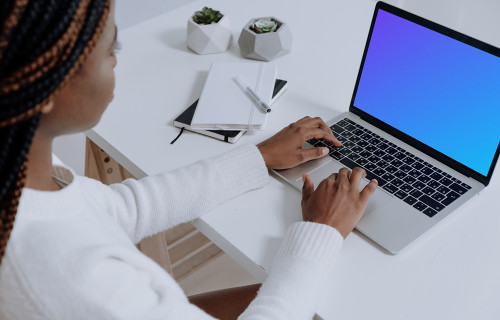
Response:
column 399, row 134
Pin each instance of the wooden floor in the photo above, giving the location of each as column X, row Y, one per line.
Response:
column 181, row 250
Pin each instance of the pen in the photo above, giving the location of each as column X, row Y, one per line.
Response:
column 252, row 94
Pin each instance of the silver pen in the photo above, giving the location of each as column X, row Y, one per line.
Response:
column 241, row 83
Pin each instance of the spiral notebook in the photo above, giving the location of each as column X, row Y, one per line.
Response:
column 223, row 105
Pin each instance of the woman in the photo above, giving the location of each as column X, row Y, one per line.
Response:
column 67, row 242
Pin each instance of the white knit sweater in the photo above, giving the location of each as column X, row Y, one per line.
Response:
column 71, row 254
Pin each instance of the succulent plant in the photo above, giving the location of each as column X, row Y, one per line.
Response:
column 264, row 25
column 207, row 16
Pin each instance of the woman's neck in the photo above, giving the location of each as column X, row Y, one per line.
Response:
column 39, row 171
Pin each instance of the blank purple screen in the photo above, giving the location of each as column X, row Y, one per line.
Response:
column 436, row 89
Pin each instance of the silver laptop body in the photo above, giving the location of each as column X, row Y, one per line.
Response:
column 394, row 218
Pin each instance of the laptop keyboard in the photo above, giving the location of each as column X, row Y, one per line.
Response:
column 416, row 182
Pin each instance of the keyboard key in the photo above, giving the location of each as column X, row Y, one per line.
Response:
column 358, row 132
column 397, row 182
column 374, row 141
column 417, row 165
column 387, row 176
column 382, row 164
column 374, row 159
column 431, row 203
column 408, row 160
column 348, row 144
column 427, row 171
column 370, row 148
column 414, row 173
column 400, row 194
column 433, row 184
column 379, row 172
column 410, row 200
column 443, row 189
column 369, row 175
column 347, row 135
column 337, row 129
column 400, row 155
column 383, row 146
column 420, row 206
column 391, row 169
column 370, row 166
column 428, row 191
column 452, row 196
column 397, row 163
column 446, row 181
column 363, row 143
column 350, row 127
column 438, row 196
column 466, row 186
column 345, row 152
column 405, row 168
column 406, row 188
column 424, row 179
column 419, row 185
column 362, row 161
column 400, row 174
column 354, row 157
column 357, row 149
column 409, row 179
column 335, row 155
column 415, row 193
column 457, row 188
column 365, row 154
column 366, row 136
column 436, row 176
column 391, row 150
column 354, row 138
column 430, row 212
column 387, row 157
column 390, row 188
column 379, row 153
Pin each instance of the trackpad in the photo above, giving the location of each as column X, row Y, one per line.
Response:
column 377, row 200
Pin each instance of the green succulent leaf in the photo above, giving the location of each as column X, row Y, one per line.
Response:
column 264, row 25
column 207, row 16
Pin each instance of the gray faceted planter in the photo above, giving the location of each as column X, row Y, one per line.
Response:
column 209, row 38
column 265, row 46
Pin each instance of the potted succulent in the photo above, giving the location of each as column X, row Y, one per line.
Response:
column 208, row 31
column 265, row 39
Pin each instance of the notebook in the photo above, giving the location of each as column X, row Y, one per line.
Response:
column 423, row 121
column 231, row 136
column 223, row 105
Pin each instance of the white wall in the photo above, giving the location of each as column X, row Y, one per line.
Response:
column 71, row 149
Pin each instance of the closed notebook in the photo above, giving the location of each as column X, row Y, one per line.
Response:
column 223, row 105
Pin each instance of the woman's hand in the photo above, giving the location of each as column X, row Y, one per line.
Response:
column 337, row 201
column 284, row 149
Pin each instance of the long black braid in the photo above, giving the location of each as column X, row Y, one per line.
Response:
column 42, row 44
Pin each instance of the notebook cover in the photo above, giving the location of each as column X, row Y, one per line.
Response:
column 224, row 105
column 184, row 119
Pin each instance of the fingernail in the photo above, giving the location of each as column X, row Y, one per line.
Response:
column 325, row 151
column 375, row 180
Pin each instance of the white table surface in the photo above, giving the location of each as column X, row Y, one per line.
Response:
column 450, row 273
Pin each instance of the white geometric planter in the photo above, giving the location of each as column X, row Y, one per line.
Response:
column 209, row 38
column 265, row 46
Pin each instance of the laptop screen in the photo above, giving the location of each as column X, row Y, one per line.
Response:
column 436, row 89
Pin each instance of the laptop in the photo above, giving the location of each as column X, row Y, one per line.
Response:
column 424, row 120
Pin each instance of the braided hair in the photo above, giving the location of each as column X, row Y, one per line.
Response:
column 42, row 44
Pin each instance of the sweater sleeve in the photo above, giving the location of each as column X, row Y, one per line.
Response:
column 305, row 259
column 152, row 204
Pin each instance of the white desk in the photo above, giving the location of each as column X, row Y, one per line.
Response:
column 449, row 274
